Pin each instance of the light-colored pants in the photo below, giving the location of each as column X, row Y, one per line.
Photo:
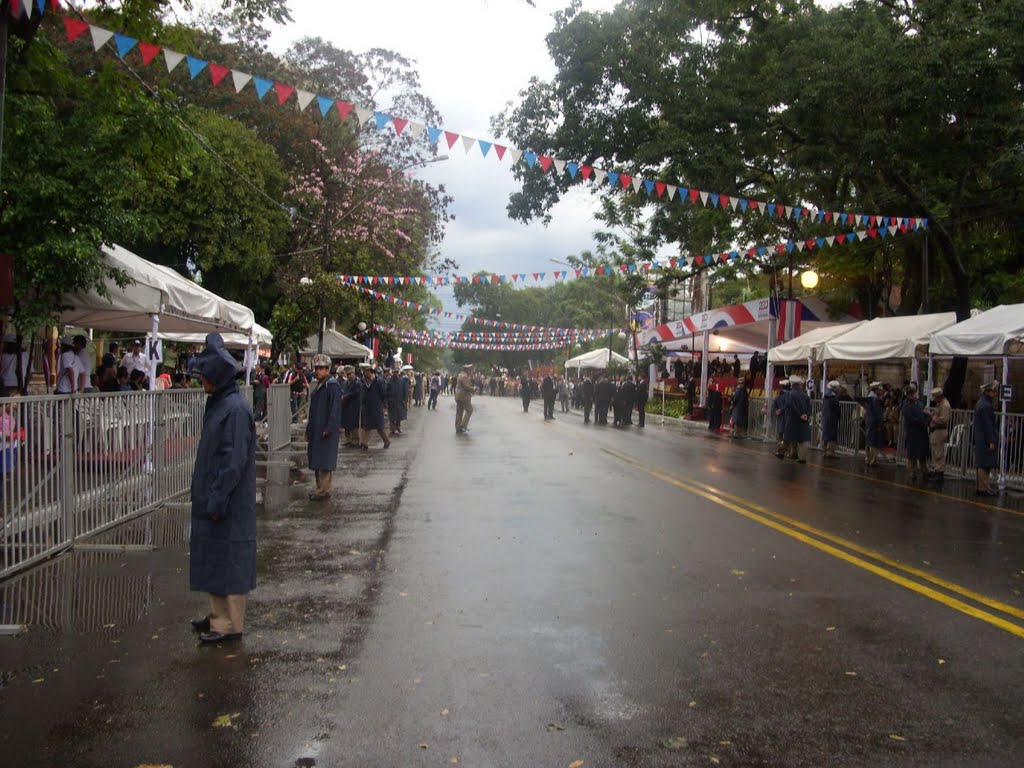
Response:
column 982, row 479
column 323, row 482
column 227, row 613
column 463, row 410
column 364, row 437
column 797, row 451
column 937, row 442
column 870, row 456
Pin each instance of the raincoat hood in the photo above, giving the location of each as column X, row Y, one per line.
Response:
column 216, row 363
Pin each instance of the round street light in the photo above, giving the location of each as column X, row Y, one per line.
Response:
column 809, row 279
column 305, row 280
column 361, row 326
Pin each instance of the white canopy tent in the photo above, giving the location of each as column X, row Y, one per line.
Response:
column 260, row 336
column 337, row 345
column 596, row 359
column 997, row 333
column 156, row 298
column 807, row 347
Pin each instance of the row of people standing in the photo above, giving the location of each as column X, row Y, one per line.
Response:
column 618, row 394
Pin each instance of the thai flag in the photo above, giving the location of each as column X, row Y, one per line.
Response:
column 789, row 319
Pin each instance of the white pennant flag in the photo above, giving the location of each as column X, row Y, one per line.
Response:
column 100, row 36
column 414, row 129
column 173, row 58
column 363, row 114
column 704, row 198
column 671, row 188
column 240, row 79
column 766, row 209
column 831, row 240
column 637, row 181
column 600, row 174
column 734, row 203
column 893, row 229
column 789, row 211
column 304, row 98
column 559, row 167
column 468, row 142
column 800, row 245
column 514, row 155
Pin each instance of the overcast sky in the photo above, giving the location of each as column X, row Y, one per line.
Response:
column 473, row 57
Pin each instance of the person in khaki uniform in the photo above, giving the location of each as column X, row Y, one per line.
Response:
column 938, row 431
column 464, row 389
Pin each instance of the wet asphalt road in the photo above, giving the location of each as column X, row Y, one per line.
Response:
column 538, row 594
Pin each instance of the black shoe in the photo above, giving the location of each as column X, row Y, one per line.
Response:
column 201, row 625
column 211, row 638
column 986, row 493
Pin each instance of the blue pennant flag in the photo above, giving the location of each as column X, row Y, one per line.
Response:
column 195, row 66
column 434, row 134
column 649, row 186
column 262, row 86
column 797, row 213
column 734, row 255
column 683, row 194
column 761, row 250
column 821, row 242
column 852, row 237
column 790, row 246
column 613, row 179
column 744, row 204
column 123, row 43
column 542, row 275
column 586, row 271
column 485, row 146
column 531, row 158
column 922, row 223
column 714, row 198
column 574, row 168
column 325, row 104
column 631, row 268
column 382, row 120
column 41, row 5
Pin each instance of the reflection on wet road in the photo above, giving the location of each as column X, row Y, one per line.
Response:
column 541, row 594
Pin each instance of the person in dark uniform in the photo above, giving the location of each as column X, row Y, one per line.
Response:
column 547, row 390
column 351, row 405
column 740, row 415
column 617, row 402
column 874, row 416
column 830, row 419
column 798, row 419
column 603, row 391
column 641, row 401
column 525, row 390
column 398, row 392
column 691, row 393
column 323, row 427
column 986, row 440
column 714, row 407
column 374, row 395
column 915, row 432
column 628, row 401
column 779, row 411
column 587, row 398
column 222, row 559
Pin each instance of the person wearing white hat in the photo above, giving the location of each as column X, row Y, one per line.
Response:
column 323, row 429
column 938, row 431
column 830, row 419
column 69, row 368
column 874, row 417
column 986, row 439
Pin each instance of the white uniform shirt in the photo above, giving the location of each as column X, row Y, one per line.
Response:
column 135, row 362
column 9, row 369
column 65, row 385
column 85, row 360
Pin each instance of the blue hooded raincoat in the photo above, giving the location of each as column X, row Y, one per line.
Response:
column 223, row 541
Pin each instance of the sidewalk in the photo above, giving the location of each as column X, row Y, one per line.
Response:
column 100, row 676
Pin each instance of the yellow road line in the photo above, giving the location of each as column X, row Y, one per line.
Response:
column 768, row 521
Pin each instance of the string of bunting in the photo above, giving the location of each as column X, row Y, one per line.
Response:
column 493, row 338
column 400, row 302
column 452, row 344
column 800, row 246
column 615, row 180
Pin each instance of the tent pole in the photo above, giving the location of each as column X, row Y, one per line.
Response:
column 250, row 354
column 929, row 382
column 769, row 385
column 824, row 376
column 1002, row 427
column 915, row 370
column 704, row 370
column 153, row 336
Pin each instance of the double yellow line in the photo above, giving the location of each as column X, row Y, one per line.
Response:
column 891, row 570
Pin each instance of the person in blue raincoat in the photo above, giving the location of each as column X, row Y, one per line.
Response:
column 323, row 427
column 830, row 419
column 739, row 418
column 915, row 432
column 874, row 416
column 351, row 404
column 797, row 410
column 986, row 439
column 779, row 411
column 223, row 539
column 417, row 392
column 398, row 392
column 373, row 395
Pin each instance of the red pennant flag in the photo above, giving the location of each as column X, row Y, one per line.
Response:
column 840, row 239
column 810, row 243
column 149, row 52
column 753, row 204
column 659, row 187
column 873, row 221
column 283, row 92
column 344, row 107
column 724, row 257
column 903, row 227
column 586, row 170
column 599, row 271
column 500, row 151
column 451, row 138
column 476, row 279
column 16, row 7
column 515, row 277
column 218, row 72
column 579, row 272
column 623, row 268
column 399, row 123
column 723, row 201
column 495, row 279
column 545, row 163
column 780, row 210
column 536, row 275
column 699, row 260
column 828, row 216
column 694, row 194
column 55, row 4
column 872, row 233
column 751, row 251
column 74, row 28
column 625, row 180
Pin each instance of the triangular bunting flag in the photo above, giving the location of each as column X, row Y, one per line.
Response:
column 559, row 167
column 586, row 171
column 434, row 134
column 240, row 79
column 467, row 143
column 399, row 123
column 713, row 197
column 262, row 86
column 451, row 138
column 531, row 158
column 625, row 180
column 613, row 179
column 573, row 169
column 499, row 150
column 416, row 129
column 637, row 183
column 284, row 92
column 100, row 36
column 124, row 44
column 514, row 155
column 599, row 175
column 381, row 120
column 172, row 59
column 659, row 188
column 363, row 114
column 218, row 72
column 672, row 189
column 195, row 66
column 545, row 163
